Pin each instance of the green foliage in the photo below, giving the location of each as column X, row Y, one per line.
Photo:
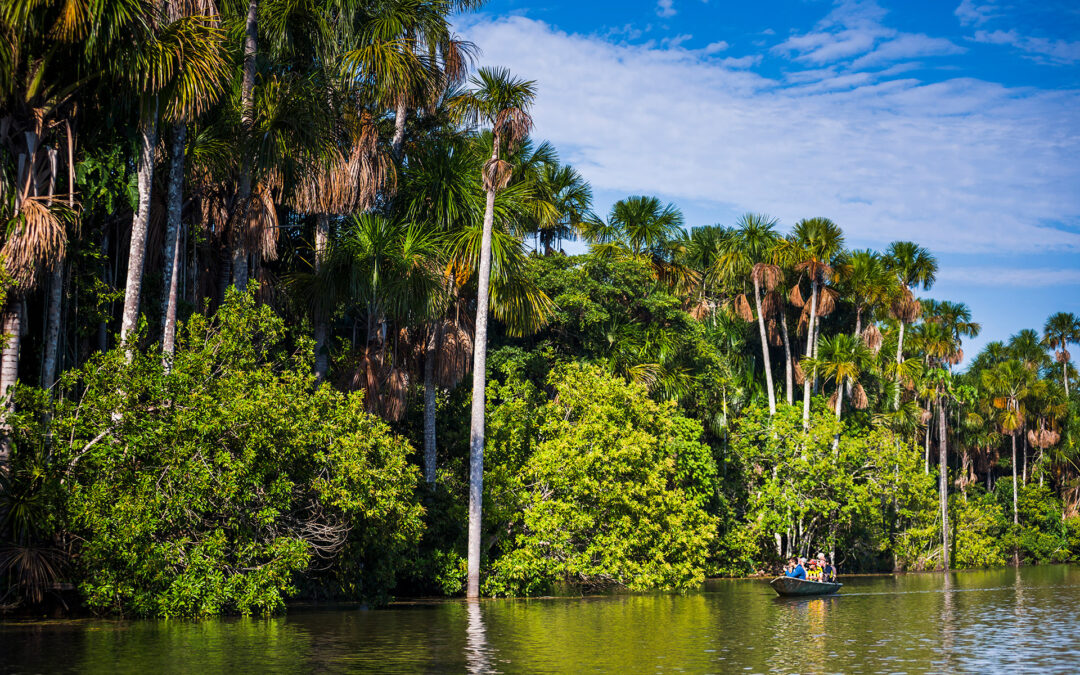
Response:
column 612, row 489
column 854, row 500
column 210, row 487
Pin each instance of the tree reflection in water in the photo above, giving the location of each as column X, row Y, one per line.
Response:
column 477, row 653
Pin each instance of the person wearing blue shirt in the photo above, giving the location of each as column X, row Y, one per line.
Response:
column 795, row 568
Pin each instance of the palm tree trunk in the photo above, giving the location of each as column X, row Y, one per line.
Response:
column 172, row 244
column 943, row 484
column 764, row 348
column 858, row 322
column 430, row 405
column 807, row 379
column 789, row 370
column 839, row 406
column 247, row 121
column 926, row 450
column 321, row 330
column 400, row 114
column 899, row 360
column 1065, row 377
column 476, row 430
column 52, row 330
column 9, row 370
column 1023, row 464
column 137, row 250
column 1016, row 512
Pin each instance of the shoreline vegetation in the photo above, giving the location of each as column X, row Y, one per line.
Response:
column 286, row 316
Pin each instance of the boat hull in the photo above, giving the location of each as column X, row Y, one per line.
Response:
column 792, row 587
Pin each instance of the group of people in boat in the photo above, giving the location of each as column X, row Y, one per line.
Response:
column 814, row 569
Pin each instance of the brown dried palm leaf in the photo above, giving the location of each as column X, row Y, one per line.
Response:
column 772, row 329
column 827, row 299
column 906, row 308
column 37, row 241
column 795, row 296
column 512, row 124
column 858, row 397
column 924, row 416
column 800, row 376
column 956, row 357
column 766, row 275
column 832, row 400
column 454, row 355
column 742, row 308
column 701, row 310
column 393, row 396
column 872, row 338
column 1064, row 356
column 497, row 174
column 771, row 303
column 262, row 224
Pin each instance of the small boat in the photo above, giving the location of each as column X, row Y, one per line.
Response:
column 792, row 587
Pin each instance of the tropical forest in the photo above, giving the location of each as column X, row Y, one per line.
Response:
column 298, row 307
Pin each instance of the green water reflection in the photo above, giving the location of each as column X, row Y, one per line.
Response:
column 1002, row 620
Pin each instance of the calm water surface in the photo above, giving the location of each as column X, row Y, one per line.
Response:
column 1013, row 621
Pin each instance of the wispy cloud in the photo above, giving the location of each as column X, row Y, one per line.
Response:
column 972, row 13
column 1037, row 277
column 1062, row 52
column 665, row 8
column 959, row 165
column 853, row 34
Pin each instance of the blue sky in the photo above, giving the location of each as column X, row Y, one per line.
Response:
column 954, row 123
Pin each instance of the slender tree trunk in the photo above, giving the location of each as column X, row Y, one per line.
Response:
column 807, row 378
column 401, row 112
column 943, row 484
column 926, row 451
column 172, row 244
column 899, row 360
column 1016, row 512
column 247, row 120
column 1023, row 464
column 858, row 322
column 839, row 406
column 322, row 239
column 476, row 431
column 764, row 348
column 1065, row 377
column 9, row 370
column 789, row 370
column 52, row 330
column 137, row 250
column 430, row 403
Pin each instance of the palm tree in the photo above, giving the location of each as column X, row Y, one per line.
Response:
column 843, row 359
column 913, row 265
column 179, row 63
column 941, row 348
column 748, row 252
column 955, row 319
column 502, row 101
column 570, row 197
column 869, row 286
column 819, row 242
column 1061, row 329
column 1009, row 382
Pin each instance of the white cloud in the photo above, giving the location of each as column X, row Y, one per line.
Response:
column 1061, row 52
column 907, row 46
column 716, row 47
column 665, row 8
column 975, row 13
column 739, row 62
column 676, row 41
column 1033, row 277
column 960, row 165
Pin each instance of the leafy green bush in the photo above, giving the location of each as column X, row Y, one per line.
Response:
column 210, row 487
column 612, row 487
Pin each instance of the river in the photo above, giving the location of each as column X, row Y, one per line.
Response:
column 1008, row 620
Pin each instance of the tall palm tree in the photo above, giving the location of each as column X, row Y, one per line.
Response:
column 570, row 197
column 1009, row 382
column 749, row 252
column 913, row 266
column 1061, row 329
column 941, row 348
column 179, row 67
column 501, row 101
column 955, row 319
column 819, row 241
column 843, row 359
column 869, row 286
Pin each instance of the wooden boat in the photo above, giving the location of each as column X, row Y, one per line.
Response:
column 792, row 587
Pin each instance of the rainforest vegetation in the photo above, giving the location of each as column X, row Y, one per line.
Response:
column 287, row 315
